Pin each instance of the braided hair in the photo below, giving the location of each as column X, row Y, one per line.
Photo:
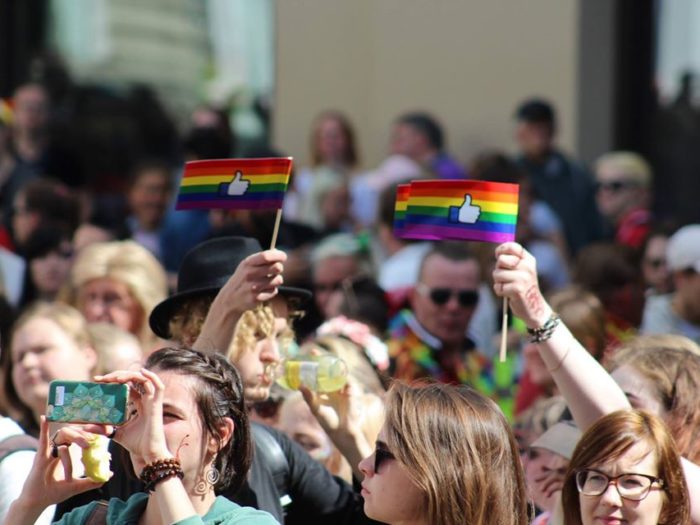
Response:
column 218, row 395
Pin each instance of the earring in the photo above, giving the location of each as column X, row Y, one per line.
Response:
column 212, row 475
column 208, row 480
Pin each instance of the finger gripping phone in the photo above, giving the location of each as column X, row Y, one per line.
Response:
column 87, row 402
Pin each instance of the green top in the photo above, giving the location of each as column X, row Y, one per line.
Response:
column 222, row 512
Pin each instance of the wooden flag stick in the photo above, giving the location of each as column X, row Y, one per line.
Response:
column 278, row 218
column 504, row 331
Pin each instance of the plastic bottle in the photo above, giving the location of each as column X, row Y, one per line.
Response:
column 325, row 373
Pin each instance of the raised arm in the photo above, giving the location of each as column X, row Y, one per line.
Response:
column 589, row 390
column 255, row 280
column 341, row 414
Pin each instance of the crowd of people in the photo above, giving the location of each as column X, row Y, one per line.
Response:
column 592, row 416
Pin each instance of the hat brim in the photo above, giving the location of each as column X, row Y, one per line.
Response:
column 160, row 317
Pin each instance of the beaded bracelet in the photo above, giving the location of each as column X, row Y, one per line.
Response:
column 544, row 332
column 160, row 470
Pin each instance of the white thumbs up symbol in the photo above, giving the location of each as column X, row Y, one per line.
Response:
column 238, row 186
column 468, row 212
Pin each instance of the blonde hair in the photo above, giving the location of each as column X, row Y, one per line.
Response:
column 253, row 326
column 631, row 164
column 106, row 339
column 69, row 319
column 186, row 323
column 457, row 447
column 127, row 262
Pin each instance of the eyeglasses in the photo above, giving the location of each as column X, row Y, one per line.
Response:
column 441, row 296
column 380, row 456
column 615, row 185
column 633, row 487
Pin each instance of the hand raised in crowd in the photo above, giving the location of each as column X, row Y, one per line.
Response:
column 340, row 415
column 255, row 280
column 515, row 277
column 51, row 479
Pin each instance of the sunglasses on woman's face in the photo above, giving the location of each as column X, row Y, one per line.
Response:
column 441, row 296
column 380, row 456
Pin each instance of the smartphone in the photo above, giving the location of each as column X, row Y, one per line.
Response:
column 87, row 402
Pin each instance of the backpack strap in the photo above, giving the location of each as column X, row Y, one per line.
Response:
column 268, row 447
column 271, row 450
column 17, row 443
column 98, row 514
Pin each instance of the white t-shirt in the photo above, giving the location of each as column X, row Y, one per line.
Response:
column 14, row 469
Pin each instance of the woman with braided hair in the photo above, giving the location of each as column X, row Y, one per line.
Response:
column 187, row 434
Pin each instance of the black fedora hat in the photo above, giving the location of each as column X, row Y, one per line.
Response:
column 204, row 270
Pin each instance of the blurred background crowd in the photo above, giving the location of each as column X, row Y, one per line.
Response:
column 95, row 127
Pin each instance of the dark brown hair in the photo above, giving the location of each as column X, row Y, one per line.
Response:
column 350, row 156
column 611, row 437
column 218, row 395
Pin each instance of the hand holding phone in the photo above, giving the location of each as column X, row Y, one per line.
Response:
column 87, row 402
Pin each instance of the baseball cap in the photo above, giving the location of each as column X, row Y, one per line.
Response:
column 561, row 438
column 683, row 250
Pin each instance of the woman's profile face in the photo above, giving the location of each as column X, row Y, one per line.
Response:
column 610, row 508
column 390, row 494
column 107, row 300
column 41, row 352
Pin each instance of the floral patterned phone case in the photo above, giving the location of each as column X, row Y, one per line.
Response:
column 87, row 402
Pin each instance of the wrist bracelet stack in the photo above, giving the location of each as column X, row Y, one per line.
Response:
column 160, row 470
column 544, row 332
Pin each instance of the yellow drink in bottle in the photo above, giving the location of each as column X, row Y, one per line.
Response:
column 325, row 373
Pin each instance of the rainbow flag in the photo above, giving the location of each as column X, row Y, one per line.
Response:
column 246, row 184
column 470, row 210
column 402, row 193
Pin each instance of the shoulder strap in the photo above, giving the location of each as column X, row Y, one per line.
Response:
column 98, row 514
column 16, row 443
column 274, row 456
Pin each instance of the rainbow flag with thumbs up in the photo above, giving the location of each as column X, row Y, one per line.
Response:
column 245, row 184
column 469, row 210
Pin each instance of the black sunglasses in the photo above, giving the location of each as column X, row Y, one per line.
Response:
column 380, row 456
column 441, row 296
column 614, row 186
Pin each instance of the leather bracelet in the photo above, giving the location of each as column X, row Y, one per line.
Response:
column 160, row 470
column 544, row 332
